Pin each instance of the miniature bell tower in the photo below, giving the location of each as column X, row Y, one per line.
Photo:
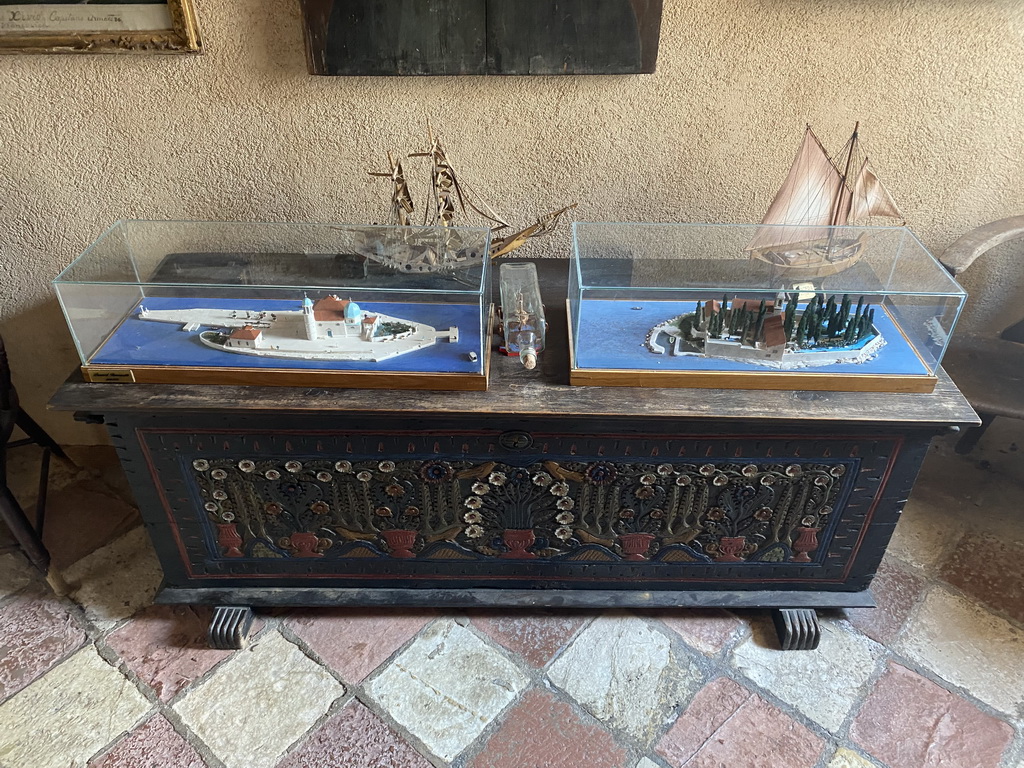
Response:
column 309, row 319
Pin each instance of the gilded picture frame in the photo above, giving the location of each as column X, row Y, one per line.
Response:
column 148, row 26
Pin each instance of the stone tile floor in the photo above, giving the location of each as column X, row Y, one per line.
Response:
column 935, row 677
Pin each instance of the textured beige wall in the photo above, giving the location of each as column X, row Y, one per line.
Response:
column 243, row 132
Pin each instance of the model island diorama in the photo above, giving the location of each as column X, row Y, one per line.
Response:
column 819, row 332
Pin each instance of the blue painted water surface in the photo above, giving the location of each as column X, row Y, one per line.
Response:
column 145, row 342
column 612, row 335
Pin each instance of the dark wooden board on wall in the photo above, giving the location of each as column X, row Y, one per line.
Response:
column 478, row 37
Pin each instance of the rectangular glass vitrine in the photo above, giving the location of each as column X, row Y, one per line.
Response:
column 758, row 307
column 282, row 304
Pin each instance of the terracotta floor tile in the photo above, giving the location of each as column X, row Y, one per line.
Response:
column 541, row 730
column 706, row 629
column 535, row 635
column 154, row 744
column 354, row 738
column 895, row 590
column 728, row 725
column 988, row 569
column 354, row 642
column 908, row 721
column 166, row 646
column 36, row 632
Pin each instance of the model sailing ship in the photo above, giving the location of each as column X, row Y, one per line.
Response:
column 821, row 332
column 427, row 250
column 821, row 192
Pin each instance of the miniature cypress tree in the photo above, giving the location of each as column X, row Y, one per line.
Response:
column 790, row 321
column 698, row 315
column 801, row 330
column 851, row 329
column 744, row 326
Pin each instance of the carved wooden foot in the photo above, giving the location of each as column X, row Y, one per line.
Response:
column 798, row 628
column 229, row 627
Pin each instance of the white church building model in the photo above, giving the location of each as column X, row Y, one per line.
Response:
column 759, row 331
column 330, row 328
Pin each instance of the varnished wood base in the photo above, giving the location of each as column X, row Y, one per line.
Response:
column 819, row 382
column 263, row 377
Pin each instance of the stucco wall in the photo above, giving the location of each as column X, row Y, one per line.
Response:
column 242, row 132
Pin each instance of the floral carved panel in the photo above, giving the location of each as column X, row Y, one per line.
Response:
column 601, row 511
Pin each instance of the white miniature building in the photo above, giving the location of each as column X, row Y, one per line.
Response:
column 245, row 337
column 369, row 327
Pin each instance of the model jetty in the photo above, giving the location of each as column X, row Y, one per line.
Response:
column 329, row 329
column 426, row 250
column 821, row 192
column 779, row 332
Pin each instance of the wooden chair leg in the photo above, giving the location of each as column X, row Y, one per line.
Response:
column 971, row 437
column 21, row 528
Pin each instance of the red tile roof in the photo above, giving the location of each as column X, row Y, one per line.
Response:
column 246, row 333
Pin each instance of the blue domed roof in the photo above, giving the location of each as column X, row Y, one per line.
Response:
column 352, row 311
column 307, row 302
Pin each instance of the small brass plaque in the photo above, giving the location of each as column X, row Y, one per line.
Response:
column 111, row 377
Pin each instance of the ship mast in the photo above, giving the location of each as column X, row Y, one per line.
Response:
column 846, row 174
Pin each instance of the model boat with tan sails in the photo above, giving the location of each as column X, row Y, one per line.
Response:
column 819, row 193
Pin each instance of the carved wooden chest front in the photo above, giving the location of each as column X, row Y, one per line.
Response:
column 589, row 503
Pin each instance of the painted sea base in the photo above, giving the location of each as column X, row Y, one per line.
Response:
column 612, row 335
column 143, row 342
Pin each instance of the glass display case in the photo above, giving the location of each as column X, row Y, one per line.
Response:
column 282, row 304
column 757, row 307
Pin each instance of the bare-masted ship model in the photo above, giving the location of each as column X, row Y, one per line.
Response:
column 427, row 250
